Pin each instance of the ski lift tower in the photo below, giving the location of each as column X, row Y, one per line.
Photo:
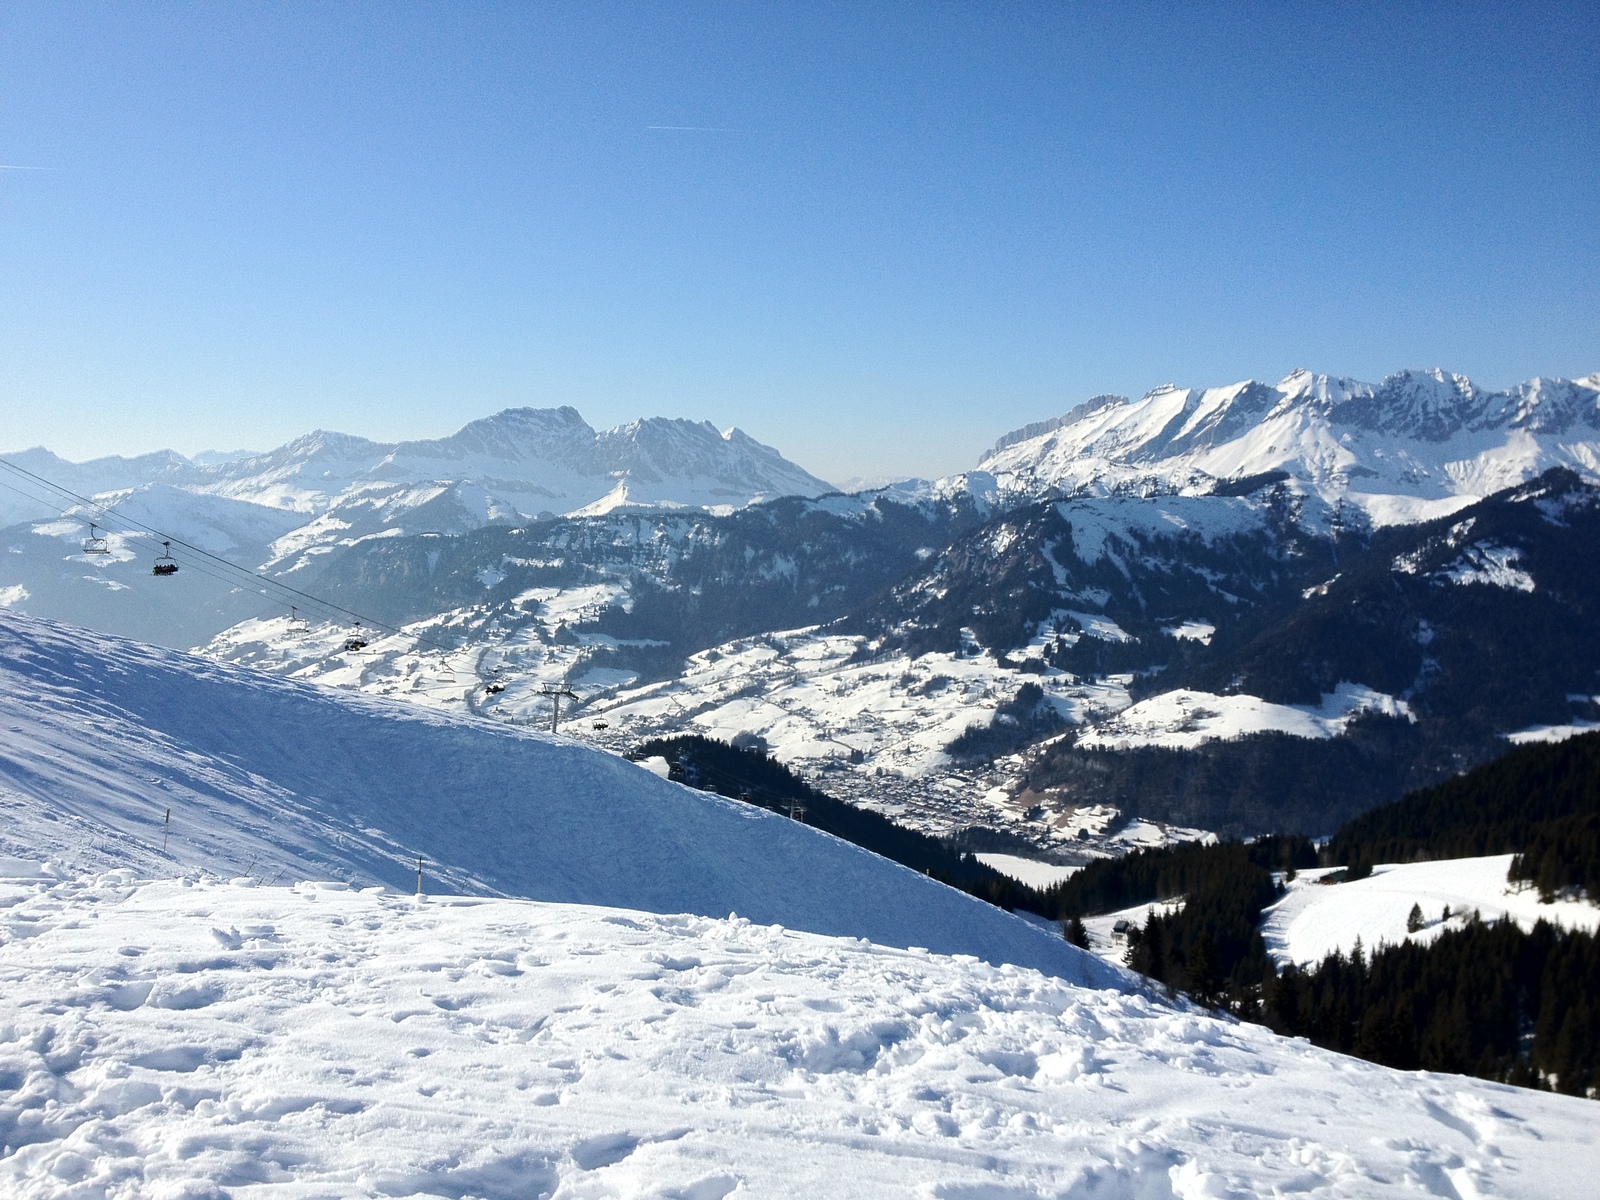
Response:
column 555, row 695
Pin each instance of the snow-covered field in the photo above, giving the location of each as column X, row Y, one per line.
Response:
column 1030, row 871
column 206, row 1039
column 1551, row 733
column 1182, row 719
column 758, row 1009
column 1314, row 919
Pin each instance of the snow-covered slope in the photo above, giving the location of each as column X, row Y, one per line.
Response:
column 279, row 780
column 1317, row 917
column 207, row 1040
column 1314, row 919
column 1183, row 719
column 1415, row 446
column 875, row 728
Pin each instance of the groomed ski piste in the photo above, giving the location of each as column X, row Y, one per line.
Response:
column 614, row 986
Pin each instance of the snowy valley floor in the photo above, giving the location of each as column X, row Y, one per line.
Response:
column 192, row 1039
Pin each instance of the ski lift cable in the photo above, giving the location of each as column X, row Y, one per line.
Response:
column 198, row 569
column 268, row 599
column 243, row 573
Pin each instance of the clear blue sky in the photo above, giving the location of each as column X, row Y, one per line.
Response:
column 894, row 232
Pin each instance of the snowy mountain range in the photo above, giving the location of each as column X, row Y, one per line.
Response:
column 277, row 511
column 517, row 465
column 1114, row 558
column 1418, row 445
column 1077, row 676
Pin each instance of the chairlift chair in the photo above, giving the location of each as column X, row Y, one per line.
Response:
column 356, row 641
column 166, row 564
column 94, row 543
column 297, row 623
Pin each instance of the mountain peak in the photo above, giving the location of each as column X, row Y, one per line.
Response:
column 1429, row 435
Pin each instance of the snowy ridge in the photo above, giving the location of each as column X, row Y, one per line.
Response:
column 513, row 466
column 202, row 1039
column 1413, row 447
column 280, row 780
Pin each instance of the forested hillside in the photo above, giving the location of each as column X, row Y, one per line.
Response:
column 1486, row 998
column 1508, row 806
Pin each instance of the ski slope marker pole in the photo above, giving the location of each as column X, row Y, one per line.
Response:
column 166, row 828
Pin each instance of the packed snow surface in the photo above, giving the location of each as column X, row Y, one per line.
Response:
column 1314, row 919
column 195, row 1039
column 278, row 780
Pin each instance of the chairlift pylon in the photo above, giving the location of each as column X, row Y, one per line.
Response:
column 166, row 564
column 94, row 543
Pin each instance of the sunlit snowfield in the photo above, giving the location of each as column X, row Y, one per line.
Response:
column 193, row 1039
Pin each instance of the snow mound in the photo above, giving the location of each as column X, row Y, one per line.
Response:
column 277, row 780
column 1494, row 566
column 210, row 1040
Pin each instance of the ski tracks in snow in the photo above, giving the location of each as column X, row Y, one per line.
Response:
column 192, row 1039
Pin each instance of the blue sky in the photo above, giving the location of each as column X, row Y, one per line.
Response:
column 889, row 234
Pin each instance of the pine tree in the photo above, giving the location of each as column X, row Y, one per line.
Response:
column 1072, row 929
column 1204, row 981
column 1415, row 922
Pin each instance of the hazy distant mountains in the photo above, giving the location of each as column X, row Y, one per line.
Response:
column 520, row 462
column 277, row 511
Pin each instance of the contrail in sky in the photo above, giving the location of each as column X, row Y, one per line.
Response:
column 11, row 167
column 695, row 128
